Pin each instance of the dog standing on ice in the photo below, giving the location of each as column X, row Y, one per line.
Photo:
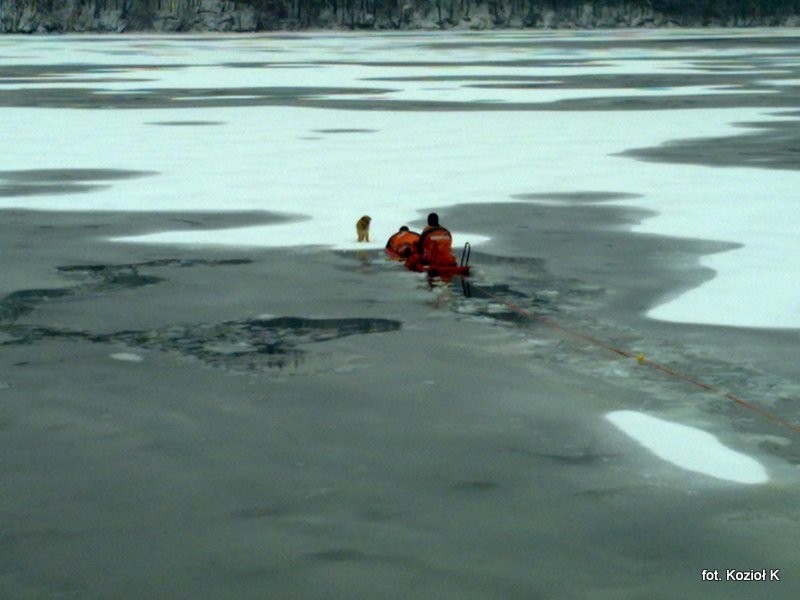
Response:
column 362, row 228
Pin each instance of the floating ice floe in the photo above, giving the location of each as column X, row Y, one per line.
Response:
column 689, row 448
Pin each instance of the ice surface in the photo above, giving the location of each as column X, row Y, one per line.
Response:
column 689, row 448
column 397, row 165
column 127, row 356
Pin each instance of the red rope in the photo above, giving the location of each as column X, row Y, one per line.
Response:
column 640, row 359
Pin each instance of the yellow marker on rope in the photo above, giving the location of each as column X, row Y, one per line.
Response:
column 640, row 358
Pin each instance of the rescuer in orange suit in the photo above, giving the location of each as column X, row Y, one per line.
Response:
column 436, row 244
column 403, row 243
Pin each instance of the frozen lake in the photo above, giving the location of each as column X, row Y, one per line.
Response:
column 640, row 187
column 327, row 127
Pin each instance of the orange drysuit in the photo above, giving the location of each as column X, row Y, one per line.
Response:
column 403, row 243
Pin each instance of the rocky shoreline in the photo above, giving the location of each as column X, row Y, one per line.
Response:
column 169, row 16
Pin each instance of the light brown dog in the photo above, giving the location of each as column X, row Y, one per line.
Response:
column 362, row 228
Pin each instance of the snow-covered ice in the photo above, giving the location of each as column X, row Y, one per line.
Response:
column 127, row 356
column 689, row 448
column 397, row 165
column 497, row 458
